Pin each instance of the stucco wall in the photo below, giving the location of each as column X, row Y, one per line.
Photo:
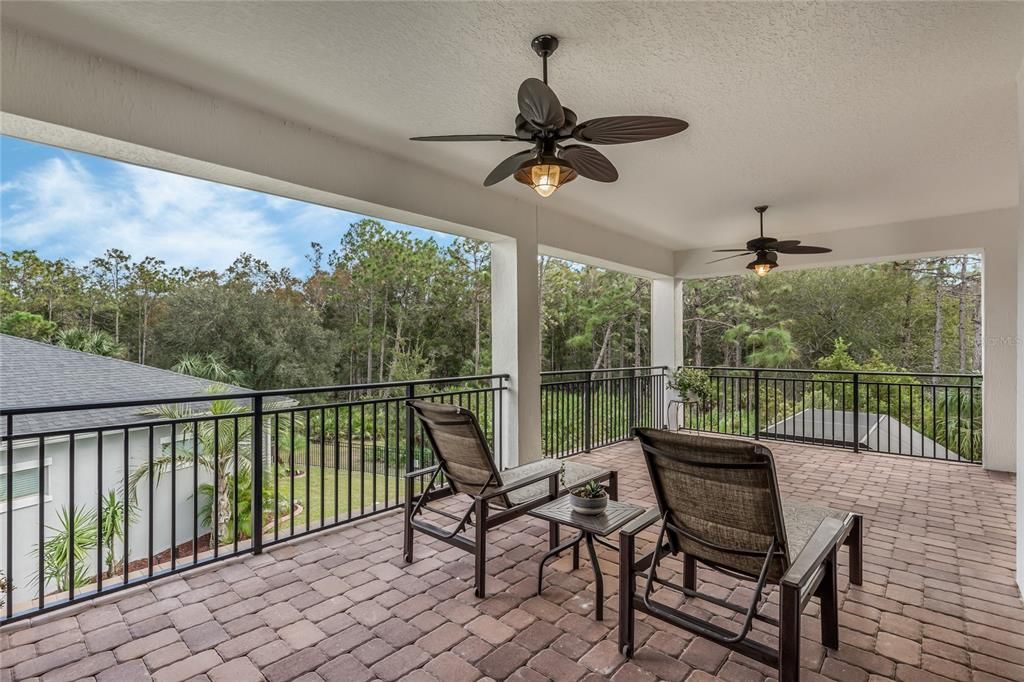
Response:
column 87, row 484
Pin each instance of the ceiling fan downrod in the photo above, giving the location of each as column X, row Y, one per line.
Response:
column 761, row 210
column 544, row 45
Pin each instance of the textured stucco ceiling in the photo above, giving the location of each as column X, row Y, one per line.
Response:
column 837, row 114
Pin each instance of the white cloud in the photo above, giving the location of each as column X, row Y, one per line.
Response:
column 62, row 208
column 76, row 207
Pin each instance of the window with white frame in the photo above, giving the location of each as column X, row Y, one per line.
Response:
column 25, row 483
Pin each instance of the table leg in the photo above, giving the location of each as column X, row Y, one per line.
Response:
column 598, row 579
column 574, row 543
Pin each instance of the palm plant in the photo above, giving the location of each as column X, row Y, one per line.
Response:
column 214, row 431
column 242, row 505
column 97, row 342
column 958, row 425
column 58, row 549
column 218, row 434
column 207, row 366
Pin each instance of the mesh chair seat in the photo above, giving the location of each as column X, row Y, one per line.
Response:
column 574, row 473
column 802, row 520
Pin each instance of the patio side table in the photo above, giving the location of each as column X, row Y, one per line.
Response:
column 591, row 529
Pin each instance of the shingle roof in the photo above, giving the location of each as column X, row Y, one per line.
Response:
column 39, row 374
column 878, row 432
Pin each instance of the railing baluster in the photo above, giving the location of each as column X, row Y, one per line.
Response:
column 215, row 531
column 291, row 473
column 856, row 412
column 307, row 502
column 195, row 492
column 277, row 475
column 257, row 477
column 323, row 464
column 99, row 513
column 150, row 502
column 41, row 520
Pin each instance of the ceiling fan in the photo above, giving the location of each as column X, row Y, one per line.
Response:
column 543, row 122
column 767, row 249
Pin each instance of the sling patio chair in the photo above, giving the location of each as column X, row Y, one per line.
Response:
column 466, row 463
column 719, row 504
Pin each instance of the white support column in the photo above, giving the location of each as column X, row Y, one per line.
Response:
column 1020, row 330
column 515, row 345
column 667, row 328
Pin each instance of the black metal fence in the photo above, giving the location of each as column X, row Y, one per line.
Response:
column 937, row 416
column 585, row 409
column 99, row 497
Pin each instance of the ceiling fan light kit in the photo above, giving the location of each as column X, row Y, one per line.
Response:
column 545, row 174
column 543, row 122
column 767, row 249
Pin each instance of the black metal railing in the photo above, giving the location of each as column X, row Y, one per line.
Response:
column 120, row 493
column 586, row 409
column 936, row 416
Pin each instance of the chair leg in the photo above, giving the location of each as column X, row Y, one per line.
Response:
column 689, row 572
column 828, row 592
column 554, row 537
column 407, row 536
column 789, row 634
column 481, row 548
column 627, row 587
column 856, row 543
column 613, row 486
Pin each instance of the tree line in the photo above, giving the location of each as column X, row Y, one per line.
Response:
column 920, row 316
column 381, row 305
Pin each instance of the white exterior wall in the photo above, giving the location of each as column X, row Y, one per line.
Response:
column 87, row 484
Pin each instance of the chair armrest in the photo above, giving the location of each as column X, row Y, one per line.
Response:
column 422, row 472
column 825, row 539
column 529, row 480
column 641, row 522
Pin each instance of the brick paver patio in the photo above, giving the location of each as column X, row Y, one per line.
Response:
column 938, row 601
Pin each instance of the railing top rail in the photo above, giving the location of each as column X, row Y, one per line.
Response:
column 555, row 372
column 241, row 395
column 837, row 371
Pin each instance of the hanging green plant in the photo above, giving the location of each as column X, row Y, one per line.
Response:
column 693, row 384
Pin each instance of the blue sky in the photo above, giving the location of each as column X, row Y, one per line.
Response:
column 70, row 205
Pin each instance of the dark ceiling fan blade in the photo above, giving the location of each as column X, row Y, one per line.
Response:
column 802, row 249
column 590, row 163
column 467, row 138
column 745, row 253
column 730, row 250
column 623, row 129
column 539, row 105
column 780, row 244
column 508, row 167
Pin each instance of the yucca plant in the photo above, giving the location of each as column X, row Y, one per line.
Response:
column 112, row 522
column 57, row 550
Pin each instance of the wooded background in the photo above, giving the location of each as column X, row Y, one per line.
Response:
column 383, row 305
column 920, row 316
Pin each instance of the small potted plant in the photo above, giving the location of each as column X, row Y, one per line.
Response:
column 590, row 498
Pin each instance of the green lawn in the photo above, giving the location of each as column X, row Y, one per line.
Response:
column 362, row 494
